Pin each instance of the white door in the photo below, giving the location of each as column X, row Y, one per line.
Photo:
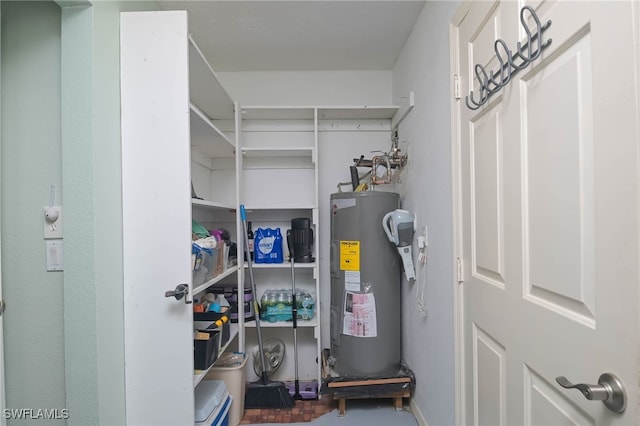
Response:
column 548, row 215
column 156, row 218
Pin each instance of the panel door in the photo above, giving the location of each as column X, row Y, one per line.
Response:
column 549, row 215
column 156, row 218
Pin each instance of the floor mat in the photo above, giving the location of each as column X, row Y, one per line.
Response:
column 303, row 411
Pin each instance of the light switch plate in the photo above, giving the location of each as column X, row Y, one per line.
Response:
column 55, row 255
column 52, row 230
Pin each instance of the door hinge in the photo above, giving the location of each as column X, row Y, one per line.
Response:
column 459, row 273
column 456, row 86
column 3, row 306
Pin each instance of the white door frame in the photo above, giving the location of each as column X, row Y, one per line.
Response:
column 3, row 421
column 456, row 170
column 458, row 300
column 3, row 400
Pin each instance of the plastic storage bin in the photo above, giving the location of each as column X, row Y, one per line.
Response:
column 230, row 369
column 205, row 349
column 209, row 321
column 196, row 263
column 212, row 403
column 231, row 294
column 210, row 263
column 203, row 264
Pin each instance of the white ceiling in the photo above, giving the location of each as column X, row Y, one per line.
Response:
column 272, row 35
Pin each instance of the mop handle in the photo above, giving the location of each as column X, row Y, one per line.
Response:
column 294, row 306
column 243, row 216
column 294, row 310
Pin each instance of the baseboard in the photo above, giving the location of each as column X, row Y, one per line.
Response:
column 417, row 413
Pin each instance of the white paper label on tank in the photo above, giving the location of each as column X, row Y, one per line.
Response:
column 360, row 315
column 352, row 281
column 343, row 203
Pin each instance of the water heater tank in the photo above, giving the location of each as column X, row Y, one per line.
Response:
column 365, row 286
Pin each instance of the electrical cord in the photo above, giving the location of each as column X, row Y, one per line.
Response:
column 421, row 304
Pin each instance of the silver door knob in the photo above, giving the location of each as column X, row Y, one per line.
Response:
column 181, row 291
column 609, row 390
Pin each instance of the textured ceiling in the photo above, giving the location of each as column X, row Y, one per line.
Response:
column 271, row 35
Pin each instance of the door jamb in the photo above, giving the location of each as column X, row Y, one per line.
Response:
column 635, row 13
column 458, row 290
column 3, row 400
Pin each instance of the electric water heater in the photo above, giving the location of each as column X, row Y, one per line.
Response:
column 365, row 286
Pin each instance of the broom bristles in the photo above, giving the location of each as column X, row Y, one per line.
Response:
column 269, row 395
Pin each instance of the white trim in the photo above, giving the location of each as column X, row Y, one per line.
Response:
column 74, row 3
column 422, row 421
column 239, row 223
column 635, row 13
column 458, row 294
column 3, row 421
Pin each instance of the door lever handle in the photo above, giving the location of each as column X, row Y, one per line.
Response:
column 609, row 390
column 591, row 392
column 181, row 291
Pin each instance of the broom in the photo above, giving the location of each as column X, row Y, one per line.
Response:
column 264, row 393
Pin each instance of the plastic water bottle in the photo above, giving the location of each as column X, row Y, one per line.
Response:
column 307, row 306
column 272, row 301
column 264, row 302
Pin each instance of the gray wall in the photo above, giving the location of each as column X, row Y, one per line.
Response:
column 428, row 342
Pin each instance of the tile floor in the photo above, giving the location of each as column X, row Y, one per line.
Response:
column 303, row 411
column 324, row 412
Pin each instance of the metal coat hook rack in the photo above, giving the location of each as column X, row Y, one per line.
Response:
column 510, row 63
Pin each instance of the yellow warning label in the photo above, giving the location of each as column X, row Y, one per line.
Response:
column 350, row 255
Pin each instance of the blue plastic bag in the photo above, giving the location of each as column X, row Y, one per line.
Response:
column 268, row 246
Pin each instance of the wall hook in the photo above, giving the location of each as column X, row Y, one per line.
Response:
column 509, row 62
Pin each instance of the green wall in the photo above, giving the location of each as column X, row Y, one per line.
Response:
column 31, row 156
column 60, row 110
column 108, row 205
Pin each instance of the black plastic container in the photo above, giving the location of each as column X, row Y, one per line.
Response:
column 223, row 327
column 205, row 350
column 300, row 236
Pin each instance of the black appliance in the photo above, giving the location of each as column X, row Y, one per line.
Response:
column 300, row 240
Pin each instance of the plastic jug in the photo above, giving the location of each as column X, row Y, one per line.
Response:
column 392, row 221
